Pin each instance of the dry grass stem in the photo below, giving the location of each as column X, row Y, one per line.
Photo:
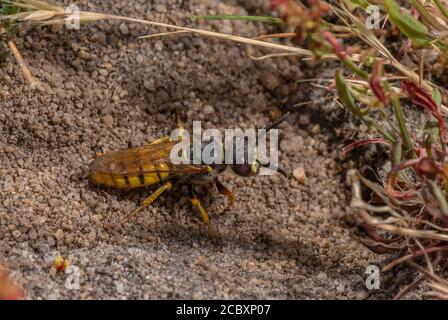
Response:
column 33, row 83
column 41, row 13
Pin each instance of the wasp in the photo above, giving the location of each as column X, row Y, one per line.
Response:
column 150, row 165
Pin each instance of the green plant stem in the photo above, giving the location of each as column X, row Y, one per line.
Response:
column 441, row 8
column 264, row 19
column 427, row 16
column 399, row 116
column 440, row 197
column 349, row 64
column 386, row 135
column 347, row 99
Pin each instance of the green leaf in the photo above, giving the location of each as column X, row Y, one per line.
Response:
column 431, row 135
column 428, row 17
column 7, row 8
column 437, row 97
column 346, row 97
column 441, row 8
column 407, row 24
column 440, row 198
column 404, row 133
column 264, row 19
column 362, row 3
column 396, row 155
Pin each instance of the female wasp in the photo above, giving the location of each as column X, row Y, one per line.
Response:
column 151, row 165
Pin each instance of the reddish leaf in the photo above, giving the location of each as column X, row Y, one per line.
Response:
column 428, row 168
column 318, row 8
column 376, row 83
column 276, row 3
column 392, row 180
column 421, row 98
column 337, row 47
column 373, row 233
column 288, row 8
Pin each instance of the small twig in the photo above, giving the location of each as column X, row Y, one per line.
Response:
column 439, row 291
column 274, row 55
column 411, row 256
column 421, row 68
column 389, row 224
column 428, row 274
column 214, row 34
column 22, row 64
column 162, row 34
column 410, row 287
column 425, row 253
column 276, row 36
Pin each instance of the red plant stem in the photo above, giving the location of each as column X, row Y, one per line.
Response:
column 411, row 256
column 376, row 84
column 360, row 143
column 427, row 273
column 408, row 288
column 392, row 175
column 420, row 97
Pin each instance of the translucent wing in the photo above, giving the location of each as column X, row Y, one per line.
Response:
column 143, row 160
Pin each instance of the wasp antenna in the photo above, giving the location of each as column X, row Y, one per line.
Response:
column 278, row 169
column 283, row 173
column 277, row 122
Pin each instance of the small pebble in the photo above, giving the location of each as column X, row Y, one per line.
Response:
column 124, row 28
column 322, row 276
column 32, row 234
column 299, row 174
column 269, row 80
column 59, row 235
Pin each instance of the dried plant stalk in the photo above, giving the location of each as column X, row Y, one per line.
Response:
column 23, row 66
column 399, row 225
column 33, row 83
column 439, row 290
column 41, row 13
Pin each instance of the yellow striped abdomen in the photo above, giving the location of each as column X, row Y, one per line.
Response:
column 148, row 175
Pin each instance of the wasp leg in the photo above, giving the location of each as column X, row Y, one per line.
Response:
column 222, row 189
column 149, row 200
column 197, row 204
column 160, row 140
column 179, row 125
column 179, row 122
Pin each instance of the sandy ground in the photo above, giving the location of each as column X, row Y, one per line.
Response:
column 106, row 90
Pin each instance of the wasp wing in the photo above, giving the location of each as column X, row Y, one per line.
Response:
column 143, row 160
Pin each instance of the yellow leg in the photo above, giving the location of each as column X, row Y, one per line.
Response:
column 226, row 192
column 179, row 125
column 197, row 204
column 160, row 140
column 153, row 197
